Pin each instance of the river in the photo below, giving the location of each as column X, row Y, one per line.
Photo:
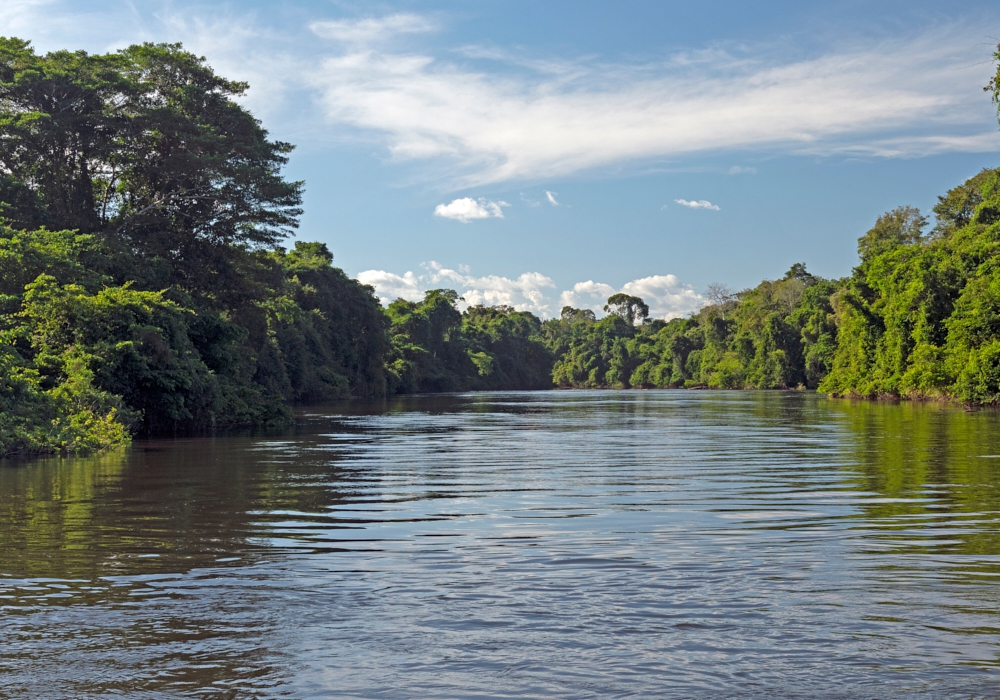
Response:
column 538, row 544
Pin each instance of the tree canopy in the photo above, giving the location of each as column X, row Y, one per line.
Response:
column 145, row 284
column 631, row 308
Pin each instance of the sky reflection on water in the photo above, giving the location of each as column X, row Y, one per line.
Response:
column 546, row 544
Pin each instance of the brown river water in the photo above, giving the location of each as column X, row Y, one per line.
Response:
column 531, row 545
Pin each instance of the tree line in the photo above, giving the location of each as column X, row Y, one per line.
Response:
column 144, row 287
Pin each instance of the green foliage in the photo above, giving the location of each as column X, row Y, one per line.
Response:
column 902, row 226
column 315, row 335
column 596, row 353
column 142, row 287
column 632, row 309
column 145, row 146
column 427, row 345
column 780, row 334
column 151, row 302
column 956, row 209
column 333, row 338
column 921, row 317
column 72, row 416
column 507, row 348
column 437, row 348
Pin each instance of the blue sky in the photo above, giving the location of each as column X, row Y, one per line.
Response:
column 539, row 154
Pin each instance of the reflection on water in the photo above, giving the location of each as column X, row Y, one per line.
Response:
column 548, row 544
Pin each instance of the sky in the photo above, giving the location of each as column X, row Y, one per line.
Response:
column 540, row 154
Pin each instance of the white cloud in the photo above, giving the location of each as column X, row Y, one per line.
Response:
column 371, row 29
column 584, row 295
column 740, row 170
column 551, row 196
column 906, row 146
column 666, row 296
column 524, row 293
column 467, row 209
column 697, row 204
column 239, row 48
column 531, row 117
column 28, row 18
column 391, row 286
column 553, row 121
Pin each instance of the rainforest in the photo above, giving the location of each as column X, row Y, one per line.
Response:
column 147, row 285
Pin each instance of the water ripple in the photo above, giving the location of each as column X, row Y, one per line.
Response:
column 548, row 544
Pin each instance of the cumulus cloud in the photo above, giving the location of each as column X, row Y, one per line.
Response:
column 589, row 294
column 666, row 296
column 391, row 286
column 467, row 209
column 551, row 196
column 697, row 204
column 905, row 97
column 525, row 292
column 371, row 29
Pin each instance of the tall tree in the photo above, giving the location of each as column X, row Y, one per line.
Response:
column 632, row 309
column 147, row 148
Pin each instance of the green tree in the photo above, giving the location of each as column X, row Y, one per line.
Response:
column 147, row 148
column 631, row 308
column 902, row 226
column 919, row 317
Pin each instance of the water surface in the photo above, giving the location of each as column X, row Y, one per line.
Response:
column 545, row 544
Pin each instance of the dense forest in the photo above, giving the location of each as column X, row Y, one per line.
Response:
column 144, row 288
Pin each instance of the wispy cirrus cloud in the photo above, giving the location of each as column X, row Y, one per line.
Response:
column 18, row 16
column 905, row 97
column 368, row 30
column 473, row 115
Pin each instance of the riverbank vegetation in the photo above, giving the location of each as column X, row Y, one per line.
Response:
column 144, row 287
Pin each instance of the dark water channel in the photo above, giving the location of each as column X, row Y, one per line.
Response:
column 549, row 544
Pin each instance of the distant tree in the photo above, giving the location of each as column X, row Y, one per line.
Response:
column 570, row 314
column 632, row 309
column 899, row 227
column 719, row 294
column 957, row 208
column 798, row 272
column 787, row 292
